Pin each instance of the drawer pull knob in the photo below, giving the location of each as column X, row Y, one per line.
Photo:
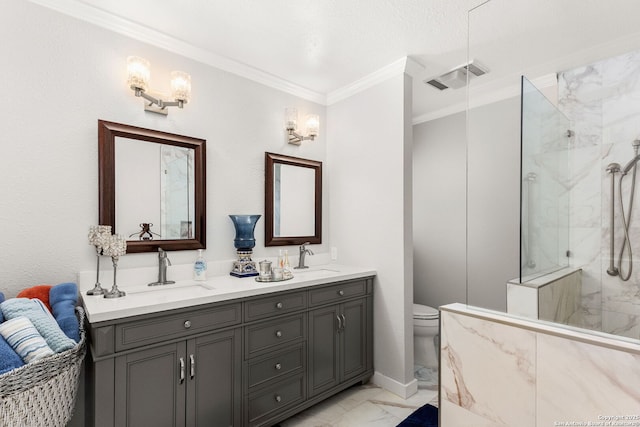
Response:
column 187, row 324
column 279, row 306
column 278, row 334
column 278, row 366
column 278, row 398
column 341, row 292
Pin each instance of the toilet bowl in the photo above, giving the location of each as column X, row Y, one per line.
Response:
column 425, row 342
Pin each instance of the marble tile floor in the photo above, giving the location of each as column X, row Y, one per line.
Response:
column 363, row 405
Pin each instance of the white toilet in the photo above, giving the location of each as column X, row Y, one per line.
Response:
column 425, row 344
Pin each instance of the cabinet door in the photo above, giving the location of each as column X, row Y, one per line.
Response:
column 323, row 349
column 150, row 387
column 214, row 380
column 353, row 354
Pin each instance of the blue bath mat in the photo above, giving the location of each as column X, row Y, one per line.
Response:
column 427, row 416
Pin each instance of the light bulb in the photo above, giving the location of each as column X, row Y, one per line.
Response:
column 180, row 86
column 138, row 73
column 313, row 124
column 291, row 118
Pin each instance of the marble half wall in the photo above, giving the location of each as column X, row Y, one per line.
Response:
column 554, row 297
column 499, row 370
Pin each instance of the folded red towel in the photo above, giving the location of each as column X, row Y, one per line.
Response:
column 40, row 292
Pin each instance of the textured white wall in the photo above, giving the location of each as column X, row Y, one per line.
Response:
column 370, row 196
column 59, row 76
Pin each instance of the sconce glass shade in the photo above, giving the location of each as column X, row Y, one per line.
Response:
column 291, row 118
column 180, row 86
column 138, row 73
column 313, row 124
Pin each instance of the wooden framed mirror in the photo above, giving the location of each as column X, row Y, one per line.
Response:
column 293, row 200
column 152, row 177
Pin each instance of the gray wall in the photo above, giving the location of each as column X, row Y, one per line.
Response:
column 490, row 204
column 439, row 211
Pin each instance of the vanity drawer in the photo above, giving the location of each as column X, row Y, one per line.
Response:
column 272, row 401
column 143, row 332
column 274, row 305
column 336, row 293
column 270, row 335
column 273, row 366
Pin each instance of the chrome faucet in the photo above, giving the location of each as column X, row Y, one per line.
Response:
column 163, row 263
column 303, row 251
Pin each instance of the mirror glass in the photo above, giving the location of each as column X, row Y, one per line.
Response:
column 152, row 187
column 163, row 198
column 293, row 200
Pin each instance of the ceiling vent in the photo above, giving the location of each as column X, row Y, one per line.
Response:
column 457, row 77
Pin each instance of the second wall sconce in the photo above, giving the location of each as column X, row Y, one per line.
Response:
column 138, row 74
column 291, row 124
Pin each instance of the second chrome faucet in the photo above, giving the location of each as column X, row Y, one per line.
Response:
column 303, row 252
column 163, row 263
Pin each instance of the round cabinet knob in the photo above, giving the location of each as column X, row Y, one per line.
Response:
column 341, row 292
column 187, row 324
column 279, row 306
column 278, row 398
column 278, row 366
column 278, row 334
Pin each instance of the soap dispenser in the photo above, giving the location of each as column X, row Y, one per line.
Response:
column 200, row 267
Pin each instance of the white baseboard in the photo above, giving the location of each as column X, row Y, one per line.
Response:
column 403, row 390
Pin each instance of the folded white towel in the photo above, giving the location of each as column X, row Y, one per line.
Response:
column 24, row 338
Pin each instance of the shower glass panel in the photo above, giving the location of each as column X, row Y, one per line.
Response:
column 544, row 193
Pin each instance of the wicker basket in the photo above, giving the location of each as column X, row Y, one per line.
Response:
column 43, row 393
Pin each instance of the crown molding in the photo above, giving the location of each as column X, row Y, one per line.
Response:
column 402, row 65
column 156, row 38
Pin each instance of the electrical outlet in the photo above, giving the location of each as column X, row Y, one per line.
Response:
column 334, row 253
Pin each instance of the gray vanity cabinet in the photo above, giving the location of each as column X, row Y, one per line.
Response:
column 339, row 342
column 250, row 362
column 214, row 391
column 180, row 368
column 192, row 382
column 147, row 390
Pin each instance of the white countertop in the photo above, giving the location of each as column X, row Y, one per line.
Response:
column 143, row 299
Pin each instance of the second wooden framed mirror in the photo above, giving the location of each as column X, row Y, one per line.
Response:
column 293, row 200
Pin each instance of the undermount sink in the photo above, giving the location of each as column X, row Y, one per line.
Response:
column 314, row 270
column 177, row 287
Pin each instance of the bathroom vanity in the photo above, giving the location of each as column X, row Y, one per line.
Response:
column 229, row 351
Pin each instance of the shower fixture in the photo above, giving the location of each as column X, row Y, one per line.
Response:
column 457, row 77
column 528, row 185
column 629, row 165
column 614, row 168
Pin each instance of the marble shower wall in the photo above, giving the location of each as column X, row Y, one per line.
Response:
column 603, row 102
column 502, row 371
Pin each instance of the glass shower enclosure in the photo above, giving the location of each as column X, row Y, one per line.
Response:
column 544, row 185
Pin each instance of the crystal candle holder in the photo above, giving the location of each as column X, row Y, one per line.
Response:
column 116, row 247
column 98, row 235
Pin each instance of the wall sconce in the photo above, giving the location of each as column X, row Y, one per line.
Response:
column 291, row 123
column 138, row 73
